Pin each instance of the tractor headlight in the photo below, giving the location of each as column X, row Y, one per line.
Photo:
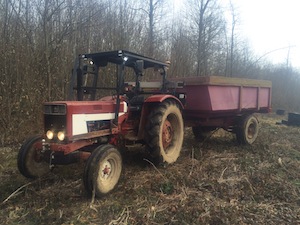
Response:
column 61, row 135
column 50, row 134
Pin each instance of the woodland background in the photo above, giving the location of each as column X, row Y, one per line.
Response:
column 39, row 40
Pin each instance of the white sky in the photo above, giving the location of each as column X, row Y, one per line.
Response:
column 269, row 25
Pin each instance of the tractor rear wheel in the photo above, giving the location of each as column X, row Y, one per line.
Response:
column 30, row 161
column 164, row 132
column 247, row 130
column 102, row 170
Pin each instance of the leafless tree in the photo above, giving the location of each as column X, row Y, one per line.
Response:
column 206, row 27
column 230, row 51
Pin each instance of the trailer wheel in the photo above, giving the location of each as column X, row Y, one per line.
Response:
column 201, row 133
column 247, row 131
column 30, row 162
column 164, row 132
column 102, row 170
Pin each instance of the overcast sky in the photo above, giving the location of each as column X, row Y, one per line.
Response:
column 270, row 25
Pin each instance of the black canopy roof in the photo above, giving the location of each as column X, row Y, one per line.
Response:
column 119, row 56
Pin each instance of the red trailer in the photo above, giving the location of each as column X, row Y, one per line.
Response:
column 228, row 103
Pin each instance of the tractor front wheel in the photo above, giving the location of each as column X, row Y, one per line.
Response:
column 102, row 170
column 30, row 161
column 164, row 132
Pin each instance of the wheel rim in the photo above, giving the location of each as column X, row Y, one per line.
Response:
column 251, row 131
column 102, row 170
column 106, row 170
column 108, row 174
column 167, row 134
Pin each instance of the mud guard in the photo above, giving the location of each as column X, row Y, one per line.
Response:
column 161, row 98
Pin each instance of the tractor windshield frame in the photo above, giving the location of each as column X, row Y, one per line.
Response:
column 90, row 64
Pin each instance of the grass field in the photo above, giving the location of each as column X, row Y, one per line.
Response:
column 214, row 182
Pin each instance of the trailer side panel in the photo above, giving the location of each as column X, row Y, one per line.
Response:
column 210, row 97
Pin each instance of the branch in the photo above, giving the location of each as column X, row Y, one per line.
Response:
column 156, row 169
column 267, row 53
column 16, row 192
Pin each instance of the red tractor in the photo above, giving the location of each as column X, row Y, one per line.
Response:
column 113, row 108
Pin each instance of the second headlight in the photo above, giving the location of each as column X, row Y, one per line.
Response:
column 61, row 135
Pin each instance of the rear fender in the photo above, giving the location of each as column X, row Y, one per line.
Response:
column 161, row 98
column 149, row 104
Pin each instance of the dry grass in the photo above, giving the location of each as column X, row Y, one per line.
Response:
column 216, row 182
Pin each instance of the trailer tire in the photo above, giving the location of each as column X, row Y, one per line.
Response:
column 102, row 170
column 201, row 133
column 247, row 130
column 164, row 132
column 30, row 163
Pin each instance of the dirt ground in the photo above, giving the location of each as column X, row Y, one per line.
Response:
column 213, row 182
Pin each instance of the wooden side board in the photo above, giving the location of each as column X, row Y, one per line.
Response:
column 218, row 80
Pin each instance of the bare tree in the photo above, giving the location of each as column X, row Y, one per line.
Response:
column 153, row 12
column 207, row 24
column 230, row 53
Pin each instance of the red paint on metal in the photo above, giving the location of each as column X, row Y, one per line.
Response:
column 223, row 98
column 249, row 98
column 90, row 135
column 65, row 148
column 265, row 97
column 114, row 140
column 161, row 98
column 93, row 107
column 217, row 101
column 214, row 96
column 197, row 98
column 105, row 105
